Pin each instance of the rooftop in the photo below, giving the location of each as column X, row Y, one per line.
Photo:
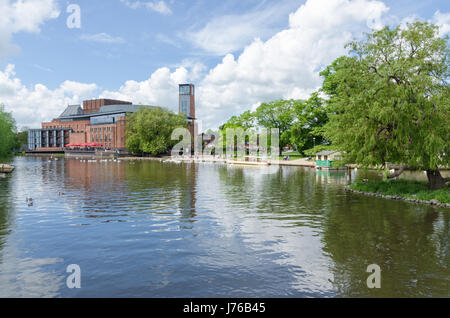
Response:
column 75, row 111
column 72, row 110
column 326, row 152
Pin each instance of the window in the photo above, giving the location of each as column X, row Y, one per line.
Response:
column 184, row 90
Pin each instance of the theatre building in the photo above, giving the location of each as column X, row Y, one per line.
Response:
column 100, row 121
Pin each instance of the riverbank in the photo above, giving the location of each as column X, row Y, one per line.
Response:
column 411, row 191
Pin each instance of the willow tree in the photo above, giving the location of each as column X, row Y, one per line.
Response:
column 389, row 100
column 149, row 130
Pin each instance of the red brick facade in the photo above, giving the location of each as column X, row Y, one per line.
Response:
column 111, row 136
column 93, row 106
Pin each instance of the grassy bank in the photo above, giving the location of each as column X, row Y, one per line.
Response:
column 293, row 155
column 405, row 189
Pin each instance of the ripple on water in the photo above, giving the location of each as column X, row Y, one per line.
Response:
column 149, row 229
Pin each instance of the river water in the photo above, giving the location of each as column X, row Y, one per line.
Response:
column 152, row 229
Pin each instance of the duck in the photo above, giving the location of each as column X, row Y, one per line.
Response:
column 29, row 201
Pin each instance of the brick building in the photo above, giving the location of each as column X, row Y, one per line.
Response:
column 187, row 106
column 101, row 121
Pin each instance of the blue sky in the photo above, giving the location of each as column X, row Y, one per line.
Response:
column 236, row 52
column 146, row 40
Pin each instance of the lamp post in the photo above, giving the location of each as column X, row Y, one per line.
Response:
column 314, row 140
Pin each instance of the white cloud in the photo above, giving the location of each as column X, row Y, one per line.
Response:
column 287, row 65
column 23, row 16
column 102, row 38
column 443, row 21
column 43, row 68
column 32, row 105
column 168, row 40
column 157, row 6
column 161, row 89
column 229, row 33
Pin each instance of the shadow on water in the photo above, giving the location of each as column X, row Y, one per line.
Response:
column 408, row 241
column 410, row 244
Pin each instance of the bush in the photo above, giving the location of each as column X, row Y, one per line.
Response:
column 404, row 188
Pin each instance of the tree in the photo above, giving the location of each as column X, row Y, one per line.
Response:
column 277, row 114
column 7, row 132
column 310, row 117
column 246, row 120
column 21, row 140
column 149, row 130
column 390, row 100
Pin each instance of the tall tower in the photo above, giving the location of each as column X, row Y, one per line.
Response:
column 187, row 100
column 187, row 107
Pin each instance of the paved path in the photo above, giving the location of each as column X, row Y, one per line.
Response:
column 298, row 162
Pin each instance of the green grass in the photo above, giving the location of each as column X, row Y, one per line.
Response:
column 294, row 155
column 404, row 188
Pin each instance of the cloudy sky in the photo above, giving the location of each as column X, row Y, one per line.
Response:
column 238, row 53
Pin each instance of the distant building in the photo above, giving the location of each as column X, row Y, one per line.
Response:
column 187, row 106
column 187, row 100
column 101, row 121
column 324, row 159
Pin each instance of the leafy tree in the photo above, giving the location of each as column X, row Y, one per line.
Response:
column 149, row 130
column 21, row 140
column 7, row 132
column 390, row 100
column 246, row 120
column 243, row 124
column 310, row 117
column 277, row 114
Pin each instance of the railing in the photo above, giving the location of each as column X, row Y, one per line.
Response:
column 323, row 163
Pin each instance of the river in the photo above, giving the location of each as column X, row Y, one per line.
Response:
column 152, row 229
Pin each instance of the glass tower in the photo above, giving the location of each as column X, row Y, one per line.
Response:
column 187, row 100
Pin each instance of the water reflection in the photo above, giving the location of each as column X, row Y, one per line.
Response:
column 211, row 230
column 410, row 246
column 5, row 212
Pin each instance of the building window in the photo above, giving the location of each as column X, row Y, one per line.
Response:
column 184, row 90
